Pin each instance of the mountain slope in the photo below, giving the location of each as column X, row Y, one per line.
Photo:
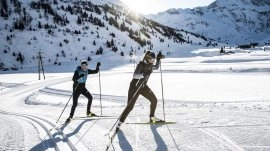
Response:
column 232, row 22
column 68, row 31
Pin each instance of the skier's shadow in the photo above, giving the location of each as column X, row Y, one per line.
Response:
column 77, row 128
column 124, row 144
column 49, row 143
column 43, row 146
column 161, row 146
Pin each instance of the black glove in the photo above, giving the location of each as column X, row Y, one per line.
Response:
column 98, row 64
column 160, row 56
column 82, row 75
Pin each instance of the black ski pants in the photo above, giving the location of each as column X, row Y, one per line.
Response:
column 133, row 96
column 76, row 93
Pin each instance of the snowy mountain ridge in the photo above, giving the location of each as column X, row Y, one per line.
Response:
column 68, row 31
column 231, row 22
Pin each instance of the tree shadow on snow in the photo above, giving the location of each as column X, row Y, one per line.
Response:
column 123, row 142
column 161, row 146
column 48, row 143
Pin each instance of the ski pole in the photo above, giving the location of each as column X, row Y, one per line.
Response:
column 100, row 93
column 129, row 103
column 161, row 79
column 114, row 134
column 67, row 103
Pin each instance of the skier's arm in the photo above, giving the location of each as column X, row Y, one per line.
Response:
column 156, row 66
column 94, row 71
column 75, row 76
column 138, row 72
column 159, row 56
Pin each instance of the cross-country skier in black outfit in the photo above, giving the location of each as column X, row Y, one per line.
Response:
column 138, row 86
column 79, row 79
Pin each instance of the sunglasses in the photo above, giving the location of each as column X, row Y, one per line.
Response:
column 84, row 65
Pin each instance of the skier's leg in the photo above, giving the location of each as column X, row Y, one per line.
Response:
column 88, row 95
column 132, row 98
column 148, row 94
column 75, row 102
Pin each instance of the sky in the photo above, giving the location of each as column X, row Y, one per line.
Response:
column 155, row 6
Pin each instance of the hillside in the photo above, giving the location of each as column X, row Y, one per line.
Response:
column 232, row 22
column 70, row 31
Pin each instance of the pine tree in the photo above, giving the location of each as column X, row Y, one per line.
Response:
column 112, row 42
column 89, row 59
column 79, row 20
column 97, row 10
column 39, row 25
column 122, row 53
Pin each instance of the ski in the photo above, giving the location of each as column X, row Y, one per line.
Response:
column 163, row 122
column 111, row 139
column 84, row 118
column 92, row 117
column 97, row 116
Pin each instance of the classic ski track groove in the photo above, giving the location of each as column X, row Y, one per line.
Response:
column 34, row 119
column 26, row 88
column 172, row 137
column 39, row 123
column 222, row 139
column 22, row 89
column 136, row 129
column 79, row 139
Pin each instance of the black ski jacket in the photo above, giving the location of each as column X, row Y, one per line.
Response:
column 142, row 73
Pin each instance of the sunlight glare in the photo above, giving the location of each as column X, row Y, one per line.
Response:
column 139, row 6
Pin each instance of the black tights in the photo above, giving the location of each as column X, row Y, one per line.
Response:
column 76, row 95
column 132, row 98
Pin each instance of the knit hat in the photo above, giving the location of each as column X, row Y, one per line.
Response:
column 149, row 54
column 84, row 62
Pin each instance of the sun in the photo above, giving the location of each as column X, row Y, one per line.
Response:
column 139, row 6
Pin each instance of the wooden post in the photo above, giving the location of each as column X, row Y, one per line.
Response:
column 40, row 64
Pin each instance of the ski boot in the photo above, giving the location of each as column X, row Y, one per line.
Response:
column 153, row 119
column 90, row 114
column 68, row 120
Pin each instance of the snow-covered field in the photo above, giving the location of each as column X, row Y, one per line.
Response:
column 220, row 103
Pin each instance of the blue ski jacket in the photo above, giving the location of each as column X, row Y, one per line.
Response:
column 80, row 76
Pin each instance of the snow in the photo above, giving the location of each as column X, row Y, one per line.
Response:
column 220, row 102
column 232, row 22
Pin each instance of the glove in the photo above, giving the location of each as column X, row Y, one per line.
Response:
column 82, row 75
column 98, row 64
column 160, row 56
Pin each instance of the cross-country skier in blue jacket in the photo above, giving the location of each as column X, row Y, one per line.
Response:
column 79, row 79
